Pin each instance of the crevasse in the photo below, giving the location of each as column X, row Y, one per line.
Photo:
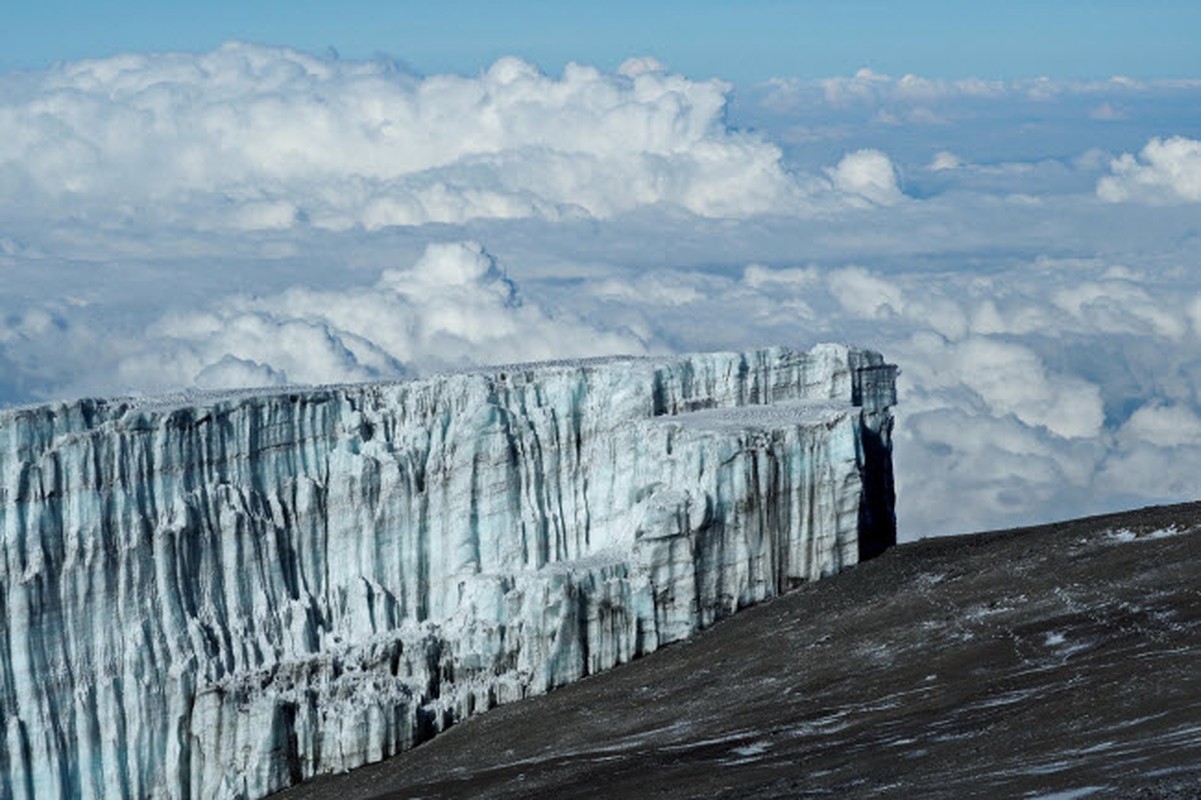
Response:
column 216, row 596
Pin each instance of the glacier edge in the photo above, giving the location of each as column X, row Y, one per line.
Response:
column 218, row 596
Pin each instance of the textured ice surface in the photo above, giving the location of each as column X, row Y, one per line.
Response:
column 218, row 595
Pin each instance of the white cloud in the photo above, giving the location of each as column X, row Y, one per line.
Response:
column 234, row 372
column 1150, row 473
column 640, row 65
column 961, row 470
column 944, row 160
column 1166, row 171
column 1194, row 313
column 868, row 174
column 1163, row 425
column 1011, row 379
column 757, row 275
column 255, row 138
column 1119, row 306
column 863, row 294
column 453, row 306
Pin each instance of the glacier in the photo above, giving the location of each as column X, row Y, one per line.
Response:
column 219, row 595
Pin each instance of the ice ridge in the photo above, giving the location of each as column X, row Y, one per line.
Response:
column 217, row 596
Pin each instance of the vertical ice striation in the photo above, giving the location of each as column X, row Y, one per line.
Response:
column 218, row 596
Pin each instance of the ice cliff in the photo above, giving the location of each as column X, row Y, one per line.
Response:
column 216, row 596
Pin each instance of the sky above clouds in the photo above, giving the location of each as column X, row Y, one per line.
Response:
column 741, row 42
column 1024, row 240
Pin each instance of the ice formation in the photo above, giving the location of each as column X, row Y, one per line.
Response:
column 218, row 595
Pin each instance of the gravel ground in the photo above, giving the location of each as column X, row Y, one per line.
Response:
column 1061, row 661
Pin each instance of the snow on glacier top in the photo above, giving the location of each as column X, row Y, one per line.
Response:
column 196, row 397
column 761, row 417
column 193, row 397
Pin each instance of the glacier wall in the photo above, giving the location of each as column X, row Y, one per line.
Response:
column 217, row 596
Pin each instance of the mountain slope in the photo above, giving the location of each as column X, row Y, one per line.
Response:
column 1062, row 658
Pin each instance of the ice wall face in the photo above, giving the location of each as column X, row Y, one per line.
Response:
column 218, row 597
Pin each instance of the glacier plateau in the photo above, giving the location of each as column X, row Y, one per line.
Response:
column 218, row 595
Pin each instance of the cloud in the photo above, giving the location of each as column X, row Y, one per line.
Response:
column 1166, row 171
column 961, row 470
column 1009, row 378
column 454, row 306
column 868, row 174
column 1117, row 304
column 233, row 372
column 259, row 216
column 863, row 294
column 1042, row 124
column 944, row 160
column 640, row 65
column 1163, row 425
column 1022, row 390
column 869, row 88
column 255, row 138
column 1148, row 474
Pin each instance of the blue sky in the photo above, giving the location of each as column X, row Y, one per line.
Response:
column 741, row 42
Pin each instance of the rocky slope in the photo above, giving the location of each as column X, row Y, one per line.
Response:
column 1055, row 662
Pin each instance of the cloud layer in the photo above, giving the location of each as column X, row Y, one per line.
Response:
column 1046, row 389
column 1025, row 251
column 253, row 138
column 453, row 307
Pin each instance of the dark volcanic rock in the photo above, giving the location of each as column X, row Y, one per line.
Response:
column 1063, row 660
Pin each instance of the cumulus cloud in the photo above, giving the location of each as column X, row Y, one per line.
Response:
column 1166, row 171
column 1009, row 378
column 1163, row 425
column 868, row 174
column 639, row 65
column 961, row 470
column 1146, row 474
column 1117, row 304
column 863, row 294
column 454, row 306
column 255, row 138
